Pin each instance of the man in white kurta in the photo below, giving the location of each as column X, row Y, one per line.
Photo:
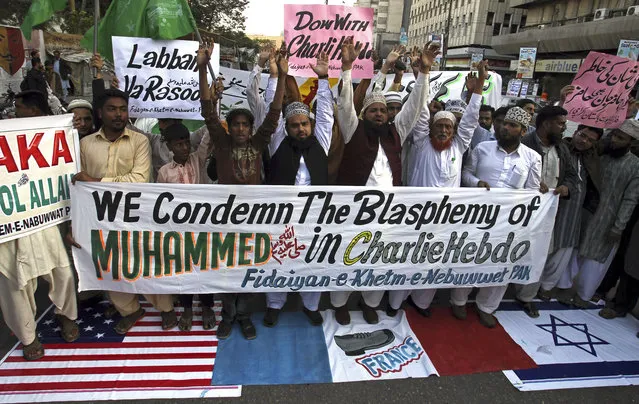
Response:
column 435, row 160
column 22, row 262
column 505, row 163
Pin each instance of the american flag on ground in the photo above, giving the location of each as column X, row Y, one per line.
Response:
column 102, row 365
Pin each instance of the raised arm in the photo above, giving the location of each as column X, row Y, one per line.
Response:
column 256, row 103
column 417, row 101
column 324, row 112
column 470, row 119
column 208, row 99
column 263, row 135
column 348, row 120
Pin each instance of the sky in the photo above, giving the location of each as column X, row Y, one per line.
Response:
column 266, row 17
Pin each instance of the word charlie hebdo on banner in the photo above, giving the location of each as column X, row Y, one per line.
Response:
column 187, row 239
column 160, row 77
column 311, row 29
column 38, row 156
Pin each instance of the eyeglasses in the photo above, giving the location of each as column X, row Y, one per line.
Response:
column 582, row 134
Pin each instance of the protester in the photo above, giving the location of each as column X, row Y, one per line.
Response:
column 53, row 79
column 186, row 168
column 31, row 103
column 300, row 157
column 372, row 153
column 486, row 113
column 63, row 69
column 238, row 155
column 82, row 116
column 558, row 173
column 35, row 79
column 38, row 255
column 487, row 164
column 529, row 106
column 436, row 158
column 618, row 197
column 118, row 154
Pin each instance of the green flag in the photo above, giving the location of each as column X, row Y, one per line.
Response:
column 157, row 19
column 39, row 12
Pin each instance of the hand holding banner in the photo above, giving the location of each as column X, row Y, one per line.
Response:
column 39, row 156
column 602, row 89
column 311, row 29
column 160, row 77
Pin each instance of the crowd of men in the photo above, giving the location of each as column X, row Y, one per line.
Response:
column 362, row 137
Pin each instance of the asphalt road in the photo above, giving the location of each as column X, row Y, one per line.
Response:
column 477, row 388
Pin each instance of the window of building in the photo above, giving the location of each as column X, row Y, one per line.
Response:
column 502, row 1
column 506, row 20
column 490, row 18
column 523, row 21
column 513, row 29
column 496, row 29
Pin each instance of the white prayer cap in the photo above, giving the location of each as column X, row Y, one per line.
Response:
column 445, row 115
column 373, row 98
column 79, row 103
column 456, row 106
column 393, row 96
column 631, row 128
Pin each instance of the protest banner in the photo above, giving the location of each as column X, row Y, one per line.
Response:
column 38, row 157
column 526, row 65
column 160, row 77
column 602, row 89
column 444, row 85
column 311, row 28
column 628, row 49
column 171, row 238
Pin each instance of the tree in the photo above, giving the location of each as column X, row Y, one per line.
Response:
column 13, row 12
column 220, row 15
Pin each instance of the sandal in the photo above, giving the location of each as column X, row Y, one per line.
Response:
column 70, row 330
column 609, row 313
column 186, row 320
column 33, row 351
column 127, row 322
column 110, row 311
column 529, row 308
column 208, row 318
column 169, row 319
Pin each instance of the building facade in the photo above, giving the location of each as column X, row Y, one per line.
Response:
column 564, row 31
column 387, row 22
column 472, row 25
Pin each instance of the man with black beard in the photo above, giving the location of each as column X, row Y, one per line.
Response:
column 558, row 172
column 435, row 160
column 372, row 151
column 505, row 163
column 618, row 197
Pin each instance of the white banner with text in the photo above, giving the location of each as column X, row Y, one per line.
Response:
column 169, row 238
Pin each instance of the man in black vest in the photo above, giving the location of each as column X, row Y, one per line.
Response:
column 372, row 154
column 299, row 156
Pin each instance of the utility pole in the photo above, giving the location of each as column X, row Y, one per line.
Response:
column 446, row 33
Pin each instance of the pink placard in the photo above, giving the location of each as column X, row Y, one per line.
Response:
column 311, row 29
column 602, row 89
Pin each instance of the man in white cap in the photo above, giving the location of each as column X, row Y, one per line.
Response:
column 393, row 104
column 82, row 116
column 618, row 197
column 299, row 156
column 372, row 152
column 504, row 163
column 435, row 160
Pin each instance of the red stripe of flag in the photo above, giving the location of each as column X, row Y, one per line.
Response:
column 125, row 345
column 106, row 370
column 121, row 384
column 123, row 357
column 168, row 333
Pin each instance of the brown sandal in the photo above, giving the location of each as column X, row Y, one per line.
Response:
column 33, row 351
column 126, row 323
column 70, row 330
column 169, row 319
column 186, row 320
column 208, row 318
